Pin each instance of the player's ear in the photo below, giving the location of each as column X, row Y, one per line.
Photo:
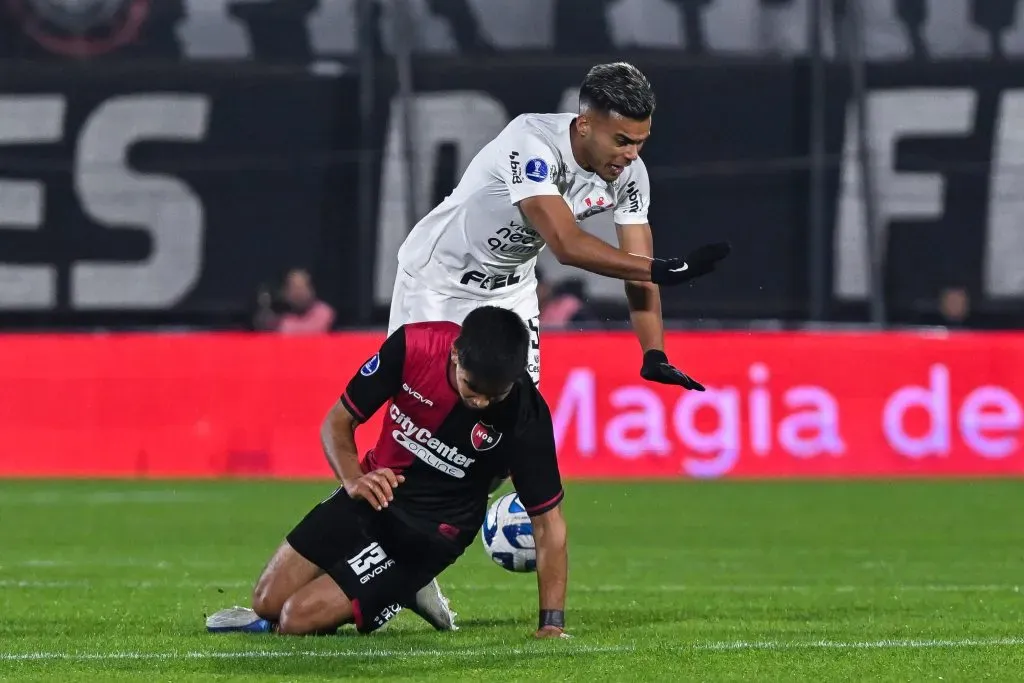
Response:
column 583, row 125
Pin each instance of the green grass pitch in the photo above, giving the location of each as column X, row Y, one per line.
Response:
column 911, row 580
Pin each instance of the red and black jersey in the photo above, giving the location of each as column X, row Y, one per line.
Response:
column 448, row 452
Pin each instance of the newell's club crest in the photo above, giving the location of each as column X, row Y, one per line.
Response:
column 81, row 28
column 484, row 437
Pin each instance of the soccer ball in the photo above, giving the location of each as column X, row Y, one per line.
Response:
column 507, row 534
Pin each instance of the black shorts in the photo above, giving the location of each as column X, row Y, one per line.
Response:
column 378, row 561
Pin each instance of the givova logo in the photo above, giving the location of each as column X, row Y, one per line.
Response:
column 417, row 395
column 421, row 442
column 370, row 562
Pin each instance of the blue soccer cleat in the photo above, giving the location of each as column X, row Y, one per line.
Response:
column 237, row 620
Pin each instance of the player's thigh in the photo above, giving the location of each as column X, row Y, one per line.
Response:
column 382, row 579
column 386, row 574
column 527, row 308
column 330, row 531
column 286, row 573
column 339, row 536
column 401, row 302
column 413, row 303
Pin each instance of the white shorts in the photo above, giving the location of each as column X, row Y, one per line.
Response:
column 412, row 302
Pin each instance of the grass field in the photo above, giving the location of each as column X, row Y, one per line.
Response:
column 103, row 581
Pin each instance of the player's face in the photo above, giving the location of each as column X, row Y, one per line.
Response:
column 613, row 142
column 473, row 394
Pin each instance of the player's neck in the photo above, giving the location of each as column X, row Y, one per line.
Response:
column 453, row 381
column 576, row 145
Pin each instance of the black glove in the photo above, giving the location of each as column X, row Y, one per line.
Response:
column 700, row 261
column 656, row 368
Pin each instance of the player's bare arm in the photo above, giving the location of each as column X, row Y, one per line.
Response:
column 338, row 437
column 573, row 246
column 643, row 298
column 549, row 532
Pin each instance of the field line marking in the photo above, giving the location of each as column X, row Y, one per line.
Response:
column 859, row 645
column 370, row 653
column 374, row 653
column 157, row 583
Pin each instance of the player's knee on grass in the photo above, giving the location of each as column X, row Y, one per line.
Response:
column 319, row 607
column 285, row 574
column 265, row 601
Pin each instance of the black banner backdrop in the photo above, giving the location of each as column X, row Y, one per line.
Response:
column 949, row 160
column 167, row 194
column 721, row 161
column 728, row 159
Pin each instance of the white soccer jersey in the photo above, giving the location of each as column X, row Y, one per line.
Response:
column 476, row 244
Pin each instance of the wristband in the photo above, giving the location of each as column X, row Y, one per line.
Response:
column 552, row 617
column 655, row 356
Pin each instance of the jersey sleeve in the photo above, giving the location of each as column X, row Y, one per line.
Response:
column 634, row 196
column 535, row 472
column 527, row 165
column 378, row 379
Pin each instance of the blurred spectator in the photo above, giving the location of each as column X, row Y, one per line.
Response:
column 955, row 307
column 563, row 303
column 300, row 311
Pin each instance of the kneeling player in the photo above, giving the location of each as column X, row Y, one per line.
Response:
column 461, row 409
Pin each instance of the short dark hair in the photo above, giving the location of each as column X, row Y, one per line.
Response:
column 493, row 346
column 618, row 88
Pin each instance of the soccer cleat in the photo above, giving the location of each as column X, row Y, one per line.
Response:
column 237, row 619
column 433, row 607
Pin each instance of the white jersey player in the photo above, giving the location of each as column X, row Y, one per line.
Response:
column 526, row 190
column 478, row 247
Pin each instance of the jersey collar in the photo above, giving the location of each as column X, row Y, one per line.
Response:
column 569, row 159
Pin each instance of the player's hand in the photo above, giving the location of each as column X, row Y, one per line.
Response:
column 656, row 368
column 700, row 261
column 376, row 487
column 551, row 632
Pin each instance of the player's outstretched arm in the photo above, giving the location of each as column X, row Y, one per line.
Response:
column 644, row 300
column 549, row 532
column 573, row 246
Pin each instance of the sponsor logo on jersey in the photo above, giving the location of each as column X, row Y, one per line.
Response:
column 422, row 443
column 537, row 170
column 485, row 281
column 484, row 437
column 81, row 28
column 633, row 197
column 517, row 168
column 417, row 395
column 370, row 366
column 594, row 207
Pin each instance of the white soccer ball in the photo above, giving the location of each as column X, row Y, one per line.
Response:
column 507, row 534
